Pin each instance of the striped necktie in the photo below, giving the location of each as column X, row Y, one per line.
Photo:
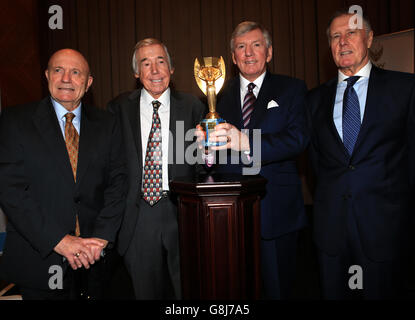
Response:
column 248, row 105
column 351, row 115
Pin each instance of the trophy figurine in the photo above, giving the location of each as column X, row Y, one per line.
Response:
column 210, row 76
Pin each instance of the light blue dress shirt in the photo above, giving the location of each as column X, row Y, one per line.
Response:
column 360, row 87
column 60, row 114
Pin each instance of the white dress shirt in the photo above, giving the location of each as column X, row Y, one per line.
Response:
column 146, row 118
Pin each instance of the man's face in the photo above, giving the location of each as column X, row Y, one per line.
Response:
column 68, row 78
column 349, row 47
column 251, row 54
column 154, row 71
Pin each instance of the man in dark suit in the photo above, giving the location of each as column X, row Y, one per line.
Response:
column 148, row 237
column 274, row 104
column 363, row 144
column 62, row 185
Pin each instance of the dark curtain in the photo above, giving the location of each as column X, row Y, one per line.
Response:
column 106, row 31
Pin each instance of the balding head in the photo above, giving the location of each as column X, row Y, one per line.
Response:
column 68, row 77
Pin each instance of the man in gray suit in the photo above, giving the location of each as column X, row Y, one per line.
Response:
column 152, row 117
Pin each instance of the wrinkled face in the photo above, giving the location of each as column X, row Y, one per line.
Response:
column 154, row 70
column 349, row 46
column 251, row 54
column 68, row 78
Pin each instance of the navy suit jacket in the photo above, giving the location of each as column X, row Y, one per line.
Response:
column 376, row 182
column 39, row 195
column 283, row 137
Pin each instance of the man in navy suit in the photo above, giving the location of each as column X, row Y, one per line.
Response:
column 274, row 107
column 363, row 143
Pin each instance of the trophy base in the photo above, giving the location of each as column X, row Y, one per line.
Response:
column 209, row 125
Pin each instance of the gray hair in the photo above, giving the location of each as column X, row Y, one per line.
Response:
column 247, row 26
column 144, row 43
column 345, row 12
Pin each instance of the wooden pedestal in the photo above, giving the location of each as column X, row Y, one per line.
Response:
column 219, row 227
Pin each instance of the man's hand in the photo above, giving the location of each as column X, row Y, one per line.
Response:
column 200, row 135
column 79, row 251
column 96, row 250
column 235, row 139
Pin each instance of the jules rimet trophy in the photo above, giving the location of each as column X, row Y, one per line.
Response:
column 210, row 76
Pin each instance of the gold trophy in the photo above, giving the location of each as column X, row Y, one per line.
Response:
column 210, row 76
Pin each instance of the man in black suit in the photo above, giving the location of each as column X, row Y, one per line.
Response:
column 274, row 106
column 62, row 185
column 148, row 237
column 363, row 144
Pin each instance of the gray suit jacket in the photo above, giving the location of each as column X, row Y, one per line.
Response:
column 183, row 107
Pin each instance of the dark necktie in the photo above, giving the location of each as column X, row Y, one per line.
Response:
column 72, row 145
column 153, row 178
column 248, row 105
column 351, row 115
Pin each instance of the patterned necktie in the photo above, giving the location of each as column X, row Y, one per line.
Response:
column 153, row 179
column 72, row 145
column 248, row 105
column 72, row 142
column 351, row 115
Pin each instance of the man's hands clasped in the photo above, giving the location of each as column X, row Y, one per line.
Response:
column 80, row 252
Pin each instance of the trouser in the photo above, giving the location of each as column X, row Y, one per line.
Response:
column 351, row 274
column 278, row 263
column 153, row 257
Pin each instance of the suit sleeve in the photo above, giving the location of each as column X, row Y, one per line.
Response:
column 291, row 141
column 311, row 104
column 411, row 136
column 109, row 220
column 16, row 196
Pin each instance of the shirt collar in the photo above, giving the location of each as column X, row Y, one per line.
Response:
column 258, row 81
column 362, row 73
column 164, row 99
column 61, row 111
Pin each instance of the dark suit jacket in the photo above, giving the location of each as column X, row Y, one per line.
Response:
column 376, row 182
column 183, row 107
column 283, row 137
column 38, row 193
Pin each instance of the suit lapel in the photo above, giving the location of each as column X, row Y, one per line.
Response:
column 133, row 112
column 372, row 101
column 47, row 124
column 176, row 114
column 260, row 106
column 90, row 134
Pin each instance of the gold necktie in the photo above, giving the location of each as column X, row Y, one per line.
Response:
column 72, row 145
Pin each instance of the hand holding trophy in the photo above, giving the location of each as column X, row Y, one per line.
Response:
column 210, row 76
